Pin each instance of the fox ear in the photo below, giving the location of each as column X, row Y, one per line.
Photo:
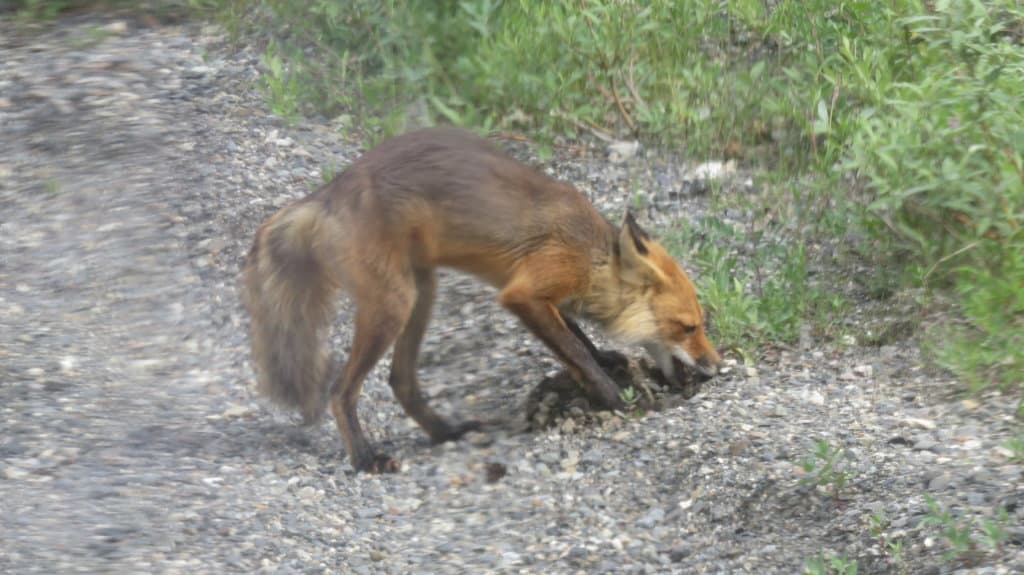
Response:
column 635, row 264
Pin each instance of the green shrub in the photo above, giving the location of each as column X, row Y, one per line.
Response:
column 943, row 157
column 711, row 76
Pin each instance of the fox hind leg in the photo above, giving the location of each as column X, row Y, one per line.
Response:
column 403, row 379
column 377, row 326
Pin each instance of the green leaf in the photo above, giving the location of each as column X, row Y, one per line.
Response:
column 449, row 114
column 757, row 69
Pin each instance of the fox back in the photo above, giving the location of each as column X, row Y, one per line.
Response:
column 451, row 198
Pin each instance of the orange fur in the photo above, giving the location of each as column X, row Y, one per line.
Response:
column 443, row 197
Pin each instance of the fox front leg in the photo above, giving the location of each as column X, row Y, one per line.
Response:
column 543, row 319
column 609, row 359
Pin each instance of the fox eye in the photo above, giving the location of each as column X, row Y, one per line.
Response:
column 686, row 328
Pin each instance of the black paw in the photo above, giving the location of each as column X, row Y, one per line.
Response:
column 610, row 360
column 453, row 432
column 378, row 463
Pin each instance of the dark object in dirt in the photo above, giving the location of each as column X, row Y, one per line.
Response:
column 559, row 397
column 688, row 386
column 495, row 471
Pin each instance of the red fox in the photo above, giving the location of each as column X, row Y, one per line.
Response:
column 446, row 197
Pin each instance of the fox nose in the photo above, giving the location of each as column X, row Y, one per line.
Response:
column 707, row 367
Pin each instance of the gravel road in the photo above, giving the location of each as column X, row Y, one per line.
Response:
column 135, row 163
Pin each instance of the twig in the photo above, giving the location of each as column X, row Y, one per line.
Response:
column 622, row 109
column 511, row 136
column 604, row 91
column 517, row 137
column 946, row 258
column 835, row 97
column 632, row 87
column 598, row 132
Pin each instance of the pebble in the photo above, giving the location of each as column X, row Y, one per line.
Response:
column 621, row 151
column 15, row 473
column 368, row 512
column 679, row 552
column 236, row 411
column 116, row 27
column 651, row 518
column 920, row 423
column 813, row 397
column 925, row 444
column 940, row 482
column 976, row 499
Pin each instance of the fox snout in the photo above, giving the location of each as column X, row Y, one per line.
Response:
column 676, row 364
column 705, row 365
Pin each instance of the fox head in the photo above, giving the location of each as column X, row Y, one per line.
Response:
column 659, row 308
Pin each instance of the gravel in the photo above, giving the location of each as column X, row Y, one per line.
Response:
column 134, row 167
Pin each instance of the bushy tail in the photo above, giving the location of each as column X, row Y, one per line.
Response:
column 290, row 296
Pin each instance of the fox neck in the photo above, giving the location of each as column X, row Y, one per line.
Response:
column 619, row 308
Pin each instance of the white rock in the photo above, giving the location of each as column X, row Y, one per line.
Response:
column 813, row 396
column 15, row 473
column 67, row 363
column 1002, row 452
column 920, row 423
column 236, row 411
column 620, row 151
column 116, row 27
column 714, row 170
column 863, row 370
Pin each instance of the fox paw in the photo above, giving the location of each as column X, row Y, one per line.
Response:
column 379, row 463
column 611, row 360
column 454, row 431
